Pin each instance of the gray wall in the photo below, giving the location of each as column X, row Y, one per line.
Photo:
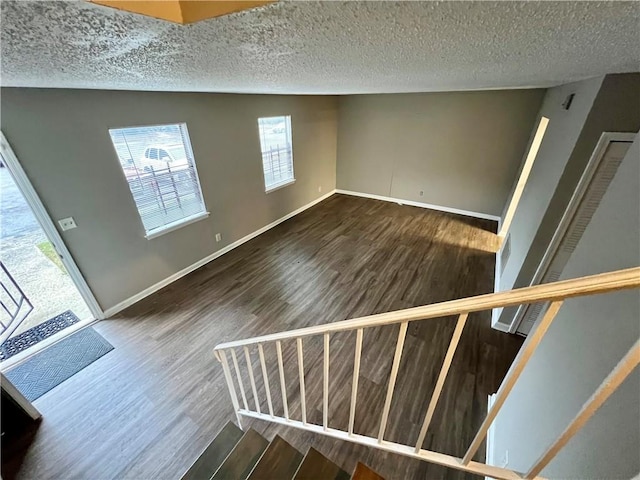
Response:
column 587, row 339
column 462, row 149
column 600, row 105
column 560, row 138
column 61, row 139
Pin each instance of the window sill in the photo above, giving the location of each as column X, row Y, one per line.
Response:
column 278, row 186
column 176, row 225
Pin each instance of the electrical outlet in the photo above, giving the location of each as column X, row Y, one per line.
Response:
column 67, row 223
column 319, row 188
column 505, row 459
column 218, row 237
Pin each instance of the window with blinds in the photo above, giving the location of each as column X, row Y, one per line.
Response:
column 159, row 167
column 277, row 154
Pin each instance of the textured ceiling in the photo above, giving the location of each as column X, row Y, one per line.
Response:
column 320, row 47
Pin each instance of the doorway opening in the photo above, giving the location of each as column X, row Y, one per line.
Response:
column 40, row 301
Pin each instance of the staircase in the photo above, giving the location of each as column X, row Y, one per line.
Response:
column 238, row 455
column 551, row 295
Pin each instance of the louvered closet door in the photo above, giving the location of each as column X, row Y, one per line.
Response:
column 570, row 230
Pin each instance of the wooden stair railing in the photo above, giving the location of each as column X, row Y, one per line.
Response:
column 553, row 294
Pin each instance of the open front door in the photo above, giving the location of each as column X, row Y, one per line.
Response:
column 43, row 296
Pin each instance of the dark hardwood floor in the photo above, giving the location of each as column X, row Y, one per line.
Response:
column 150, row 407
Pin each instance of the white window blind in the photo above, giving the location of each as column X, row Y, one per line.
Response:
column 277, row 155
column 158, row 164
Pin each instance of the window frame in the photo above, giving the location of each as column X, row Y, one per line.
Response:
column 289, row 133
column 182, row 222
column 170, row 227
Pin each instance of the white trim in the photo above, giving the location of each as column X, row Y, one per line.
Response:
column 170, row 227
column 495, row 323
column 534, row 148
column 185, row 271
column 18, row 358
column 490, row 454
column 495, row 313
column 20, row 399
column 188, row 150
column 289, row 132
column 583, row 184
column 484, row 216
column 39, row 211
column 278, row 186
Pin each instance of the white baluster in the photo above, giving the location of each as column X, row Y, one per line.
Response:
column 253, row 380
column 232, row 390
column 283, row 387
column 266, row 378
column 235, row 365
column 354, row 383
column 325, row 387
column 392, row 379
column 444, row 370
column 521, row 360
column 303, row 400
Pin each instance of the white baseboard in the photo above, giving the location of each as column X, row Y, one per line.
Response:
column 484, row 216
column 495, row 324
column 185, row 271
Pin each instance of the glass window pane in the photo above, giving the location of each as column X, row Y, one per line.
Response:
column 277, row 154
column 164, row 186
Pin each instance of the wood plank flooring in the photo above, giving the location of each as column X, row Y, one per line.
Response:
column 147, row 409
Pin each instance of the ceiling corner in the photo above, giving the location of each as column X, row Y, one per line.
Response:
column 183, row 11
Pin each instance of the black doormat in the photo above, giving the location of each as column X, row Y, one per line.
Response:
column 28, row 338
column 60, row 361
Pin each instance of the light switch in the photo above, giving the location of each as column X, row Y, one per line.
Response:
column 67, row 223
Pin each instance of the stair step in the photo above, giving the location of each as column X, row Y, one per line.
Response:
column 362, row 472
column 315, row 466
column 242, row 458
column 279, row 461
column 213, row 456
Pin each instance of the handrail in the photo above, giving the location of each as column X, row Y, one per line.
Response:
column 18, row 299
column 552, row 294
column 593, row 284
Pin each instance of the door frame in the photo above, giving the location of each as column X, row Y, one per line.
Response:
column 25, row 405
column 581, row 189
column 39, row 211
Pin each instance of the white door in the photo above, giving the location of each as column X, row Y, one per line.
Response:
column 602, row 167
